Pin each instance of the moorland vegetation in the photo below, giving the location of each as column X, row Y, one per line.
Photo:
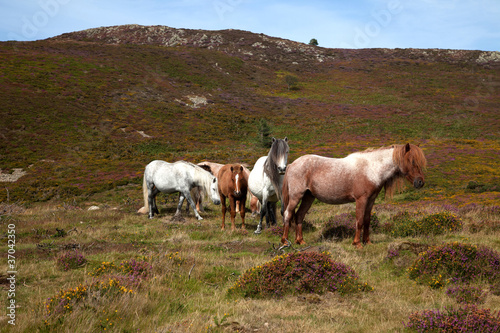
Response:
column 84, row 112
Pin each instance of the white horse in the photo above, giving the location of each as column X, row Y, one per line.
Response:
column 181, row 176
column 266, row 179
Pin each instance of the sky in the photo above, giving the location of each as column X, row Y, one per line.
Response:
column 444, row 24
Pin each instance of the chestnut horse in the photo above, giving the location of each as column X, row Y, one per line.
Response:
column 233, row 185
column 359, row 177
column 214, row 169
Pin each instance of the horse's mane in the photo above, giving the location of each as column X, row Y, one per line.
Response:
column 202, row 175
column 417, row 160
column 278, row 148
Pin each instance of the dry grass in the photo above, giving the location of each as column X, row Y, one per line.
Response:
column 194, row 264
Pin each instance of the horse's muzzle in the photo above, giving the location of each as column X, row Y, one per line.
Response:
column 237, row 193
column 281, row 170
column 418, row 182
column 216, row 202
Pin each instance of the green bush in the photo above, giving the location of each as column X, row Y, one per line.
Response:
column 408, row 225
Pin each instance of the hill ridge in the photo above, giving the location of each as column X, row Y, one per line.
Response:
column 246, row 44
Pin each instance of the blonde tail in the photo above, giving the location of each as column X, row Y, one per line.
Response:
column 145, row 209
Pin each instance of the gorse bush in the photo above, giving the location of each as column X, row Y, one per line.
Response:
column 344, row 226
column 71, row 260
column 455, row 263
column 406, row 225
column 298, row 273
column 464, row 319
column 66, row 300
column 129, row 272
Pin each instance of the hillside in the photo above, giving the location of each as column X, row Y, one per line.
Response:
column 84, row 112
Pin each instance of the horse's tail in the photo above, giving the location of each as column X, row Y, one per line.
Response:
column 145, row 209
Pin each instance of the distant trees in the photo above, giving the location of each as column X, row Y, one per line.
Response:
column 313, row 42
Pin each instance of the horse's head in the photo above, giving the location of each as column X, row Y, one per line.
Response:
column 214, row 191
column 238, row 179
column 412, row 164
column 279, row 154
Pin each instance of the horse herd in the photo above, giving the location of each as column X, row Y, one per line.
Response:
column 358, row 177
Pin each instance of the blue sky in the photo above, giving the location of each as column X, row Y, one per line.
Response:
column 446, row 24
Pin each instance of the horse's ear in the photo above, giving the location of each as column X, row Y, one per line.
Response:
column 274, row 139
column 286, row 139
column 232, row 169
column 215, row 179
column 241, row 168
column 407, row 148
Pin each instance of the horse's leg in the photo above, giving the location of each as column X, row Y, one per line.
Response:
column 179, row 205
column 307, row 201
column 367, row 219
column 288, row 216
column 152, row 192
column 193, row 206
column 155, row 207
column 268, row 214
column 242, row 212
column 271, row 211
column 361, row 204
column 223, row 208
column 263, row 210
column 232, row 208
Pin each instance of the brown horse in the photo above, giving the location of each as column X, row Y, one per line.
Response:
column 359, row 177
column 233, row 184
column 214, row 168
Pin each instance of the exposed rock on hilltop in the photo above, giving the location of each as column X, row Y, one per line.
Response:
column 234, row 42
column 248, row 45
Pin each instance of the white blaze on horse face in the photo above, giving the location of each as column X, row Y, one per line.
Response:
column 282, row 164
column 237, row 183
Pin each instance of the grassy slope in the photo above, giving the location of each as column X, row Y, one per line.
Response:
column 70, row 113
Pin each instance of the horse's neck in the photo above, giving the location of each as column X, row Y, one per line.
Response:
column 381, row 165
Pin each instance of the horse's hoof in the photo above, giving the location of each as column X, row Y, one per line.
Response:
column 300, row 242
column 258, row 231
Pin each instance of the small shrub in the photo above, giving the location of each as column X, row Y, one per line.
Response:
column 298, row 273
column 455, row 263
column 344, row 226
column 409, row 225
column 466, row 294
column 71, row 260
column 139, row 269
column 66, row 300
column 464, row 319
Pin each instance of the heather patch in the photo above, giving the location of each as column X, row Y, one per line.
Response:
column 464, row 319
column 344, row 226
column 454, row 263
column 407, row 224
column 298, row 273
column 133, row 270
column 71, row 260
column 467, row 294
